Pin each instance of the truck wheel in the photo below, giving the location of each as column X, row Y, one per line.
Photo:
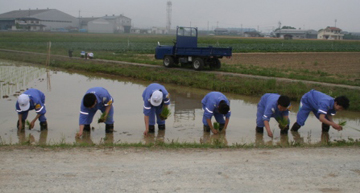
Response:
column 198, row 64
column 168, row 61
column 215, row 64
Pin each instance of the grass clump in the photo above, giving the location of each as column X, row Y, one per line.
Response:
column 102, row 118
column 283, row 123
column 342, row 123
column 216, row 125
column 165, row 113
column 27, row 123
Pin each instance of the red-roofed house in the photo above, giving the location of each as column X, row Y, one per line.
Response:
column 330, row 33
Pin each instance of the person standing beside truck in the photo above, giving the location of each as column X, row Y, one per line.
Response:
column 90, row 55
column 82, row 54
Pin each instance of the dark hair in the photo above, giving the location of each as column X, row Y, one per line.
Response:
column 283, row 101
column 342, row 101
column 223, row 107
column 89, row 100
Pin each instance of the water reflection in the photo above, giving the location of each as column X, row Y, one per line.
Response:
column 14, row 80
column 30, row 139
column 214, row 139
column 152, row 138
column 85, row 139
column 184, row 125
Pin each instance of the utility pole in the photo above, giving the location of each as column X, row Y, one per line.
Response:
column 335, row 22
column 168, row 16
column 79, row 20
column 279, row 29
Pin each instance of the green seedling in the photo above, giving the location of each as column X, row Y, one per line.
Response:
column 165, row 113
column 216, row 125
column 342, row 123
column 283, row 123
column 102, row 118
column 27, row 123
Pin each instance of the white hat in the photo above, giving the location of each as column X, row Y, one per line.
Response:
column 24, row 102
column 156, row 98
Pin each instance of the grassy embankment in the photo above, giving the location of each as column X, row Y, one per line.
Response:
column 217, row 143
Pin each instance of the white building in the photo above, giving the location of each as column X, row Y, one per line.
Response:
column 46, row 19
column 330, row 33
column 295, row 34
column 110, row 24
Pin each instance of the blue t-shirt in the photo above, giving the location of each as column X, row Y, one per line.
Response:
column 320, row 102
column 37, row 100
column 268, row 104
column 210, row 103
column 147, row 95
column 103, row 99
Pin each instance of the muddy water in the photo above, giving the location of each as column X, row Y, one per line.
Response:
column 64, row 91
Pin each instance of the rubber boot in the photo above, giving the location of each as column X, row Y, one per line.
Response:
column 109, row 128
column 43, row 126
column 325, row 127
column 161, row 127
column 295, row 127
column 259, row 129
column 23, row 125
column 284, row 131
column 151, row 129
column 87, row 128
column 206, row 128
column 221, row 127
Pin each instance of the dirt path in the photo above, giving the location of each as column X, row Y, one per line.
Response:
column 184, row 170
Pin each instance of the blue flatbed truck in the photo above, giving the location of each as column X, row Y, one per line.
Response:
column 185, row 51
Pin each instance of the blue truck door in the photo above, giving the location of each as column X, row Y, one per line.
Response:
column 186, row 37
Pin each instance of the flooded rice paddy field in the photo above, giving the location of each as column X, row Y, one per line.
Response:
column 64, row 91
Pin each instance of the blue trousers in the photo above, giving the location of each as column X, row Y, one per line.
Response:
column 42, row 118
column 218, row 117
column 110, row 117
column 260, row 113
column 304, row 112
column 156, row 111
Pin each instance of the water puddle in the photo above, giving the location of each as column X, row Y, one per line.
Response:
column 66, row 89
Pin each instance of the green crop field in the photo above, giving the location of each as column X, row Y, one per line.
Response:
column 145, row 44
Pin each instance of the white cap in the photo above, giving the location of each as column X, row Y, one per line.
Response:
column 24, row 102
column 156, row 98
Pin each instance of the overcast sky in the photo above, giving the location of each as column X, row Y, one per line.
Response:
column 264, row 15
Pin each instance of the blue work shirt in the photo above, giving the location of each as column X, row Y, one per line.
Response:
column 37, row 100
column 103, row 99
column 320, row 102
column 147, row 95
column 269, row 105
column 211, row 103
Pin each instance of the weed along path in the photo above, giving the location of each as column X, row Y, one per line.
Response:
column 355, row 67
column 324, row 170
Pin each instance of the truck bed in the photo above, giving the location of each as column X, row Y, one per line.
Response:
column 203, row 51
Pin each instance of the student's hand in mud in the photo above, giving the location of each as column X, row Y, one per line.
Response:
column 78, row 135
column 215, row 131
column 32, row 124
column 337, row 127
